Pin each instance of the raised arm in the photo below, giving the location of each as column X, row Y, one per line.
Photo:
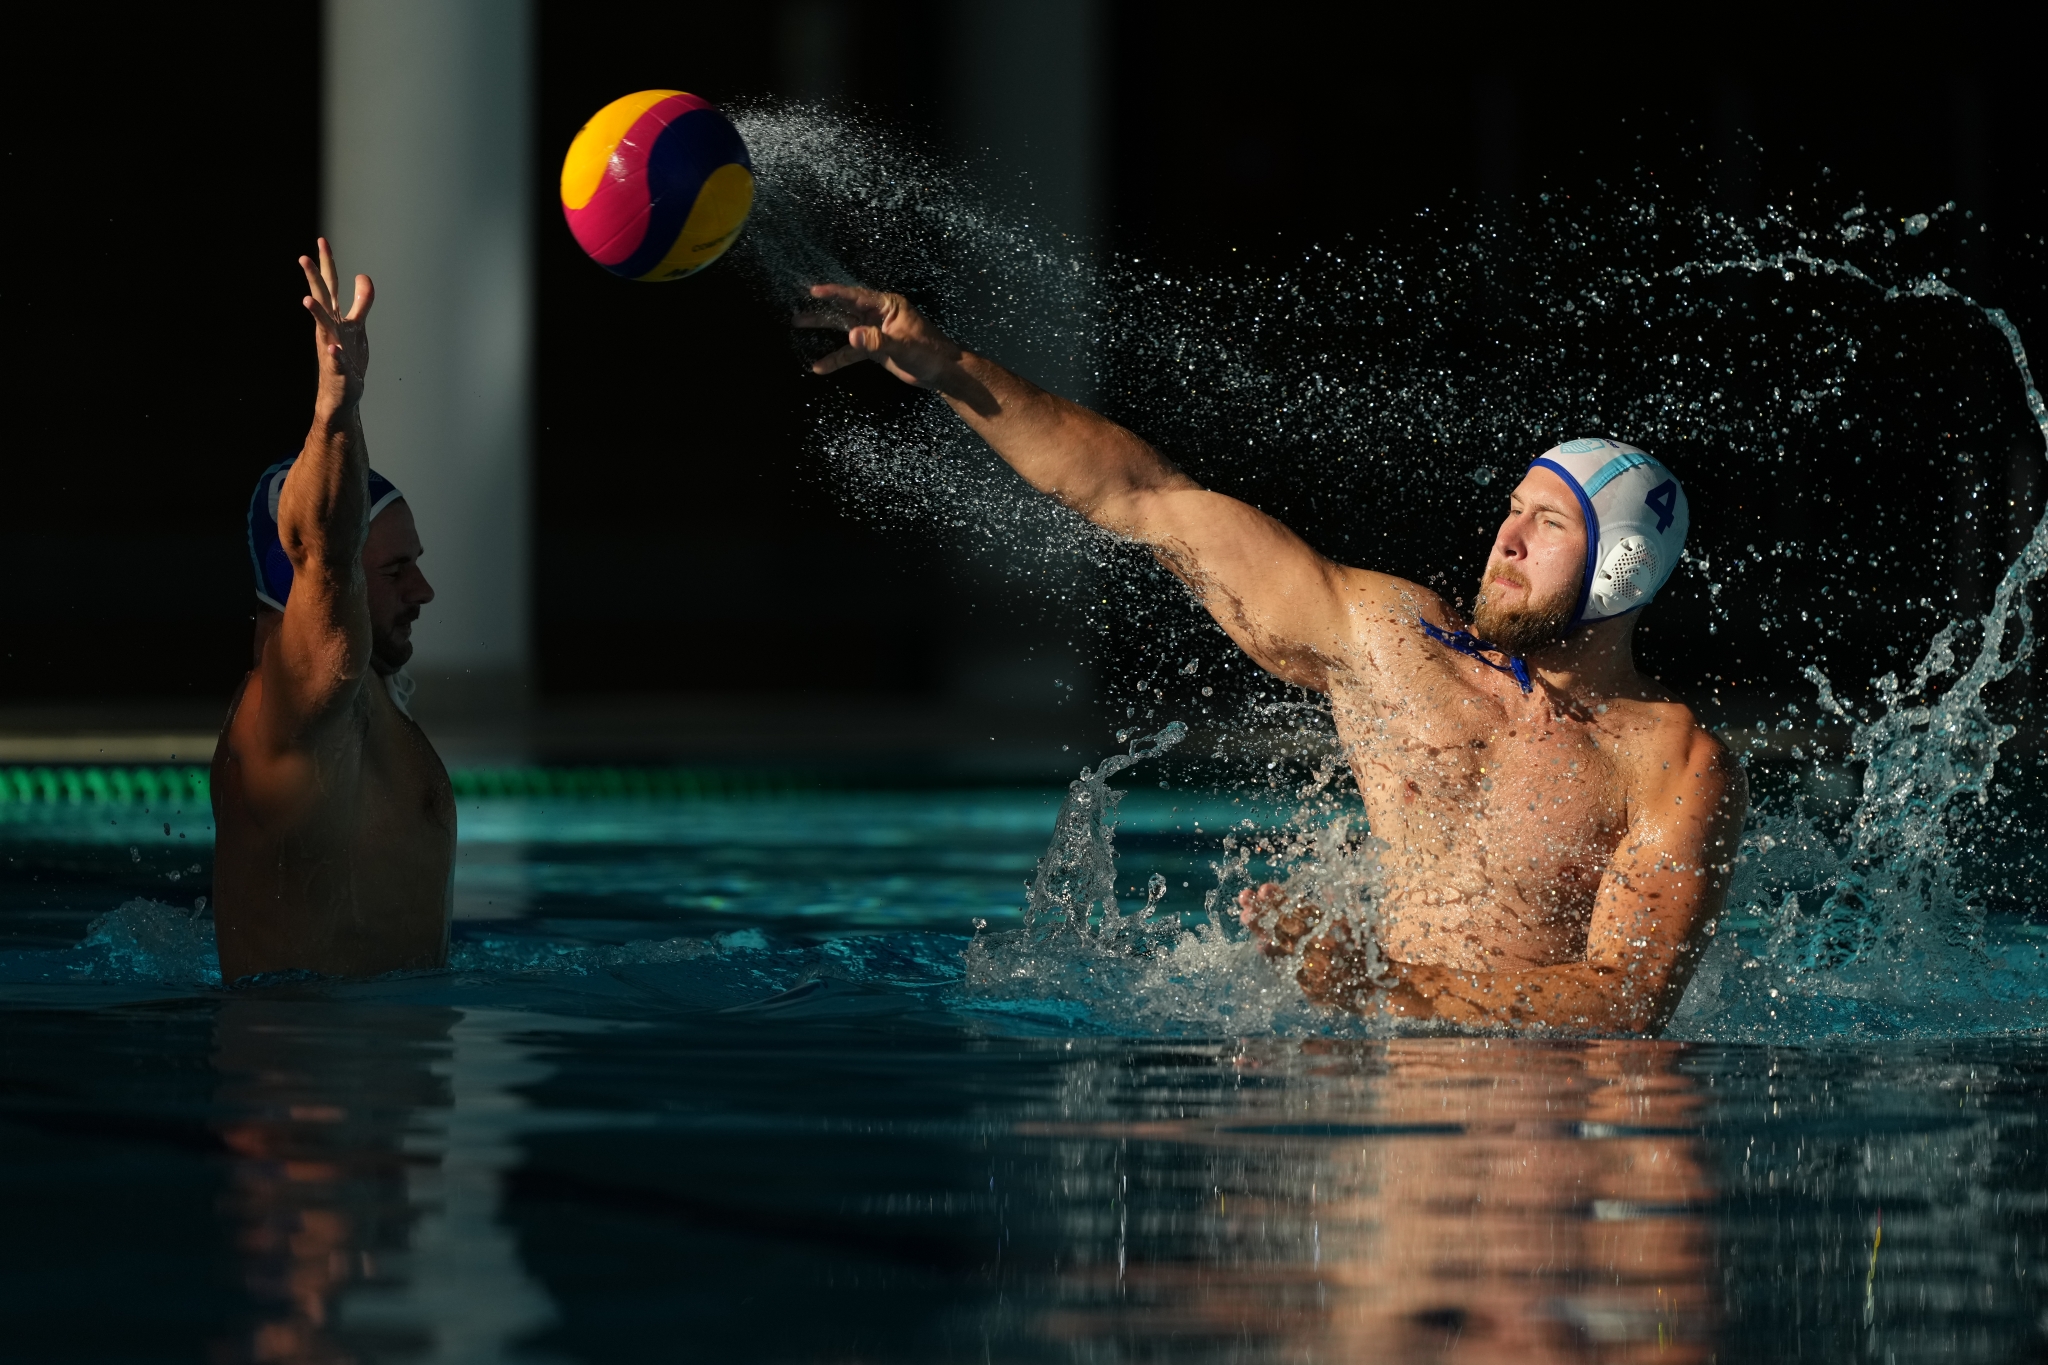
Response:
column 1650, row 924
column 315, row 664
column 1281, row 601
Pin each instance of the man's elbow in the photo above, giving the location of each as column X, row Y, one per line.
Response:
column 1123, row 511
column 314, row 552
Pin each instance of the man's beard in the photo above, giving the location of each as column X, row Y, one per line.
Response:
column 390, row 650
column 1522, row 630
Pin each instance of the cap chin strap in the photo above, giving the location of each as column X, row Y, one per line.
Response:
column 1465, row 642
column 401, row 685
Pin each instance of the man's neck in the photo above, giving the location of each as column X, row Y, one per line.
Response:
column 1596, row 660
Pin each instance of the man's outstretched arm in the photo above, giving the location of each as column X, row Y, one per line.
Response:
column 1665, row 887
column 321, row 652
column 1280, row 600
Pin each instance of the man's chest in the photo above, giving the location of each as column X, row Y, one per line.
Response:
column 405, row 795
column 1533, row 797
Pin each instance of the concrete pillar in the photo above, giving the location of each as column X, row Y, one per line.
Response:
column 426, row 143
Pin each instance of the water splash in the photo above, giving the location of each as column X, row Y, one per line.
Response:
column 1797, row 365
column 1073, row 889
column 1892, row 909
column 148, row 941
column 1922, row 757
column 1082, row 962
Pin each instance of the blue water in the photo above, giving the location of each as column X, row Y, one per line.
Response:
column 714, row 1080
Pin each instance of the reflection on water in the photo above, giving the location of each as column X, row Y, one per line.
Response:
column 1422, row 1202
column 407, row 1171
column 364, row 1186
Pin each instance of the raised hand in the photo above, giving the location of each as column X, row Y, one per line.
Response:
column 342, row 340
column 883, row 328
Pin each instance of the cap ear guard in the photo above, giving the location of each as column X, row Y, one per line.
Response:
column 1625, row 579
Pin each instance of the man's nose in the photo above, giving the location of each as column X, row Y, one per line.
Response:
column 1509, row 542
column 422, row 591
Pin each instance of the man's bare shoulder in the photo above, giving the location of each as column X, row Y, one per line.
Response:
column 1376, row 601
column 286, row 767
column 1663, row 747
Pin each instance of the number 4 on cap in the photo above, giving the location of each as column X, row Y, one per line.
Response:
column 1663, row 500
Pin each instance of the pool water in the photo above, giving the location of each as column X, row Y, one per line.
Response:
column 710, row 1080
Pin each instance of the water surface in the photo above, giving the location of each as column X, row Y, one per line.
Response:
column 709, row 1082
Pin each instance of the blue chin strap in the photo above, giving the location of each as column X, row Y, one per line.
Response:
column 1465, row 642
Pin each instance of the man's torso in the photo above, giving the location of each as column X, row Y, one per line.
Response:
column 1499, row 812
column 338, row 860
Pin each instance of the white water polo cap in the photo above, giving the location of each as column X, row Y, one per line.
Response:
column 1636, row 520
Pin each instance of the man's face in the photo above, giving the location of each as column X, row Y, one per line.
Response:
column 1532, row 580
column 391, row 565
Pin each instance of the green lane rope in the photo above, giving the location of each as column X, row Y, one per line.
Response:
column 65, row 785
column 61, row 785
column 626, row 783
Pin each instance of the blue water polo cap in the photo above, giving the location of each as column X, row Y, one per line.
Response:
column 266, row 551
column 1636, row 519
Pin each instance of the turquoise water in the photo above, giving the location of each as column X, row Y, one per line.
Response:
column 714, row 1080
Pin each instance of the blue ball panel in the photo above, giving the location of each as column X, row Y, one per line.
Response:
column 682, row 158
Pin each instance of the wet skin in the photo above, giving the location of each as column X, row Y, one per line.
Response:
column 1552, row 859
column 334, row 818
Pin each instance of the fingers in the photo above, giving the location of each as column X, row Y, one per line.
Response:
column 868, row 300
column 1279, row 923
column 366, row 294
column 840, row 359
column 862, row 343
column 327, row 275
column 1253, row 902
column 315, row 284
column 323, row 316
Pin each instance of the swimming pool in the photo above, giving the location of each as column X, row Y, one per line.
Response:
column 710, row 1079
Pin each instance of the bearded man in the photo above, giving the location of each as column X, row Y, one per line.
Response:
column 334, row 847
column 1558, row 829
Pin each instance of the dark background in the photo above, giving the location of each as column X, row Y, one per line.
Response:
column 165, row 176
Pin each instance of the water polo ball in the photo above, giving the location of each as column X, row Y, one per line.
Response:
column 657, row 185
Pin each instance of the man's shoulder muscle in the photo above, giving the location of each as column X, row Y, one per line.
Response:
column 1666, row 753
column 1376, row 601
column 281, row 767
column 1382, row 615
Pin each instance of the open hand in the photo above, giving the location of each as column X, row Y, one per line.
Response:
column 883, row 328
column 341, row 340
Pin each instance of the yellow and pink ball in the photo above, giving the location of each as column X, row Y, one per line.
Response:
column 657, row 185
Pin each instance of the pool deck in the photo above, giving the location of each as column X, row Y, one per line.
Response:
column 931, row 735
column 935, row 737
